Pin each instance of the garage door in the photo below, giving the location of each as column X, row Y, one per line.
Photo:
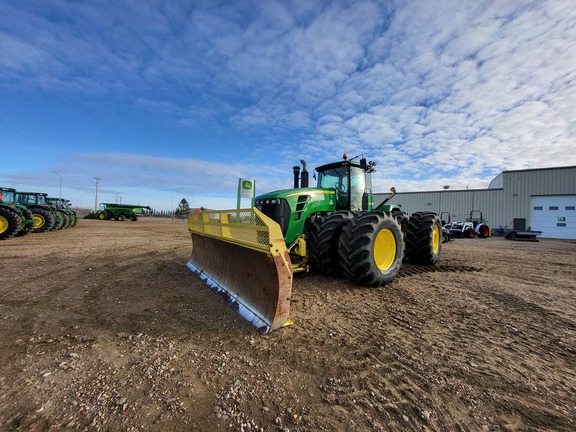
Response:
column 555, row 216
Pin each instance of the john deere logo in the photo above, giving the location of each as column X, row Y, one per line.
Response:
column 247, row 185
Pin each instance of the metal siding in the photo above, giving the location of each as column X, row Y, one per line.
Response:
column 499, row 206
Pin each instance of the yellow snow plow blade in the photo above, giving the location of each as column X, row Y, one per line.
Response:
column 242, row 257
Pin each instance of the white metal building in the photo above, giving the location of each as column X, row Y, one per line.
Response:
column 538, row 199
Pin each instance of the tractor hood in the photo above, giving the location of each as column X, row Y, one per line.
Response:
column 315, row 193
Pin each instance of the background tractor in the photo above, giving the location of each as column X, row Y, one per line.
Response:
column 15, row 219
column 248, row 256
column 45, row 217
column 73, row 215
column 120, row 212
column 62, row 207
column 474, row 226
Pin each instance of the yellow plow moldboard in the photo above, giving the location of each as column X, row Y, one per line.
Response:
column 242, row 257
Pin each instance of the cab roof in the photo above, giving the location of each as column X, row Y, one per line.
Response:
column 339, row 164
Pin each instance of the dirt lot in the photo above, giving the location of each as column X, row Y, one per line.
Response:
column 104, row 328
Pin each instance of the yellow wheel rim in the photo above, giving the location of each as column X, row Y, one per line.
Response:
column 39, row 220
column 101, row 216
column 384, row 249
column 436, row 239
column 3, row 224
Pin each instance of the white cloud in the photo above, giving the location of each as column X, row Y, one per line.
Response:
column 435, row 92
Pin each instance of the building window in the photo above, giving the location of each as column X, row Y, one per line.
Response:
column 538, row 208
column 570, row 207
column 553, row 208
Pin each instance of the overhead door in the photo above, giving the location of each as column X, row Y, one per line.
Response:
column 554, row 215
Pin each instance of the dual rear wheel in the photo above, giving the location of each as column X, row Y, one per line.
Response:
column 369, row 247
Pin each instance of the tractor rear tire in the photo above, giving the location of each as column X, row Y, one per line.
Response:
column 326, row 241
column 65, row 220
column 372, row 249
column 43, row 220
column 70, row 220
column 9, row 223
column 424, row 238
column 58, row 221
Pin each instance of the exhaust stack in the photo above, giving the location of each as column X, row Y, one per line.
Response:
column 304, row 174
column 296, row 169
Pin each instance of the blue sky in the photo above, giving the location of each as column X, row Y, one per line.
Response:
column 169, row 99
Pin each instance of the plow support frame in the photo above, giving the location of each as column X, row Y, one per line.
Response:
column 242, row 257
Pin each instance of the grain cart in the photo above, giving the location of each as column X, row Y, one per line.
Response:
column 120, row 212
column 45, row 218
column 15, row 219
column 248, row 257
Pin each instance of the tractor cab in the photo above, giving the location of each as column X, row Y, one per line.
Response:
column 352, row 182
column 32, row 198
column 7, row 195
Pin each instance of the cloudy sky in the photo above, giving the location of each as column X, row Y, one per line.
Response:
column 169, row 99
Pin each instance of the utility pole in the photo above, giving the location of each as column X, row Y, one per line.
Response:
column 96, row 199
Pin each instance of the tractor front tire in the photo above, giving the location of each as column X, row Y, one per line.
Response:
column 9, row 223
column 424, row 238
column 372, row 249
column 326, row 241
column 43, row 220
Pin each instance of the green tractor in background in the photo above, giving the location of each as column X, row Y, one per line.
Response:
column 67, row 215
column 120, row 212
column 248, row 256
column 73, row 215
column 15, row 219
column 46, row 218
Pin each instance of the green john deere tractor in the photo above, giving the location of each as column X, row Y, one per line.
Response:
column 248, row 256
column 15, row 219
column 46, row 218
column 71, row 212
column 120, row 212
column 62, row 208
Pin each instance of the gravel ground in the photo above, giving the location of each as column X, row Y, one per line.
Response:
column 104, row 328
